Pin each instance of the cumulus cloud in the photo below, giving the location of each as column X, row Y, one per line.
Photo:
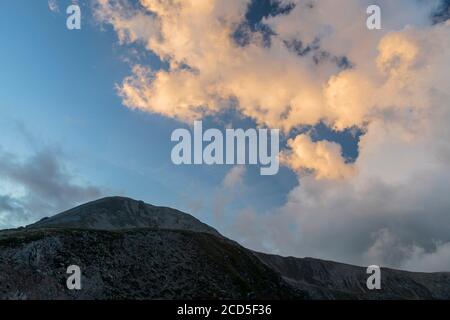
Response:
column 319, row 63
column 323, row 157
column 394, row 211
column 37, row 186
column 207, row 69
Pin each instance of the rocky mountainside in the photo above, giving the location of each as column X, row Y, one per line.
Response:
column 127, row 249
column 332, row 280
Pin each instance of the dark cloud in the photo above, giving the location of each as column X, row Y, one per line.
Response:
column 10, row 206
column 442, row 13
column 48, row 187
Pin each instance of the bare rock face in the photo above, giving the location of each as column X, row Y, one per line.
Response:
column 127, row 249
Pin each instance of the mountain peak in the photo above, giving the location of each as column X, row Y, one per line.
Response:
column 116, row 213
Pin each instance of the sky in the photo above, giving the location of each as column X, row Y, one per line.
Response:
column 363, row 113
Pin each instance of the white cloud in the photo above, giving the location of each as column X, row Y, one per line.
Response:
column 323, row 157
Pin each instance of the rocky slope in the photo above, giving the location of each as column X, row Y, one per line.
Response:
column 134, row 264
column 332, row 280
column 129, row 249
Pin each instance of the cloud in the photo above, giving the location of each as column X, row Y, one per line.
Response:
column 323, row 157
column 234, row 177
column 436, row 260
column 232, row 185
column 53, row 6
column 207, row 69
column 37, row 186
column 11, row 208
column 395, row 207
column 319, row 64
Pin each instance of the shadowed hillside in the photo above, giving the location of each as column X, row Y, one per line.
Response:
column 127, row 249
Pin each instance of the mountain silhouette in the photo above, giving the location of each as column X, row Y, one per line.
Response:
column 127, row 249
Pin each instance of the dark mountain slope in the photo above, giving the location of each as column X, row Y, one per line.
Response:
column 129, row 249
column 134, row 264
column 330, row 280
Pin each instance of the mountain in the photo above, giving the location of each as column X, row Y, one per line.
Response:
column 118, row 213
column 331, row 280
column 127, row 249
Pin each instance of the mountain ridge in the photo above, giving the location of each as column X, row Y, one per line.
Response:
column 115, row 213
column 128, row 249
